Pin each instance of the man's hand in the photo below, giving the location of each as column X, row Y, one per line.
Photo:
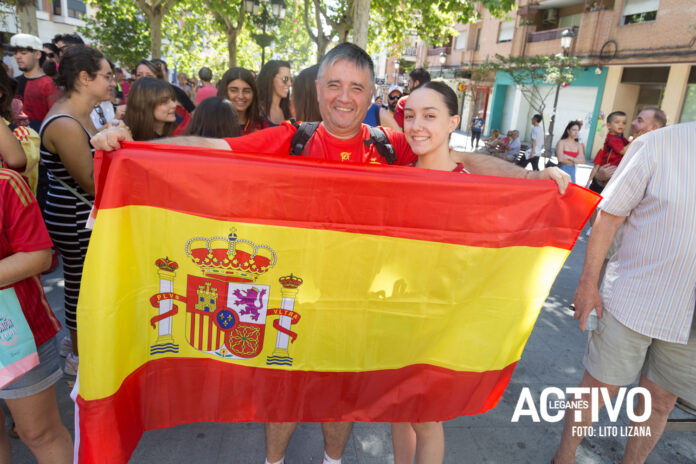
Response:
column 586, row 299
column 555, row 174
column 111, row 138
column 604, row 173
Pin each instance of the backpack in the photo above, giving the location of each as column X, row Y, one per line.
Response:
column 378, row 138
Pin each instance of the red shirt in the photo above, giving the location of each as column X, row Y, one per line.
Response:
column 38, row 95
column 276, row 140
column 23, row 230
column 611, row 152
column 204, row 92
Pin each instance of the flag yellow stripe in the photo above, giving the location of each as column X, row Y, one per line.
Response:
column 367, row 302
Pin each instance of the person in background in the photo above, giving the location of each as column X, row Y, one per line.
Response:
column 273, row 83
column 416, row 78
column 612, row 151
column 65, row 41
column 304, row 95
column 181, row 95
column 477, row 125
column 569, row 151
column 207, row 89
column 491, row 142
column 86, row 76
column 379, row 102
column 239, row 86
column 215, row 117
column 533, row 154
column 51, row 52
column 511, row 148
column 151, row 110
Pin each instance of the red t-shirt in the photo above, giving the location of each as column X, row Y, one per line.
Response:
column 204, row 92
column 611, row 152
column 38, row 95
column 276, row 140
column 23, row 230
column 399, row 111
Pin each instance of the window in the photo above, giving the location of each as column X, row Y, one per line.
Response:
column 76, row 8
column 507, row 28
column 460, row 44
column 58, row 7
column 639, row 11
column 573, row 20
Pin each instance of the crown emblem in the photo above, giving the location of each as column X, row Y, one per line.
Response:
column 166, row 264
column 290, row 281
column 230, row 258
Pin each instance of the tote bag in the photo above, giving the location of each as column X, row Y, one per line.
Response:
column 17, row 347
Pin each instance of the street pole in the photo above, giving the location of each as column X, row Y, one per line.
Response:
column 264, row 18
column 566, row 40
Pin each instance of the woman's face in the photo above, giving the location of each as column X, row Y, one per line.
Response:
column 240, row 94
column 143, row 71
column 103, row 82
column 282, row 82
column 573, row 132
column 427, row 123
column 165, row 112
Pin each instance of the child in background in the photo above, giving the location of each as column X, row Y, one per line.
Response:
column 613, row 149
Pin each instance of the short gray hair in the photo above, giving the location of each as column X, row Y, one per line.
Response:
column 348, row 52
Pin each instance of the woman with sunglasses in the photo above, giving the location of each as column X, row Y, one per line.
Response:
column 274, row 83
column 239, row 86
column 66, row 152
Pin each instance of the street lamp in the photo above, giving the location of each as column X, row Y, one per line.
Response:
column 277, row 11
column 396, row 71
column 443, row 60
column 566, row 41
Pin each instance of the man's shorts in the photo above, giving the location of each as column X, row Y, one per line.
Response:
column 616, row 355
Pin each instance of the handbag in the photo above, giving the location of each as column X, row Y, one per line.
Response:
column 17, row 347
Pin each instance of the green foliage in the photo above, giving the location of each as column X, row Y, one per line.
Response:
column 119, row 30
column 537, row 76
column 292, row 43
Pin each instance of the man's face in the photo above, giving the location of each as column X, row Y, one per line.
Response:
column 27, row 60
column 393, row 99
column 50, row 56
column 344, row 92
column 644, row 122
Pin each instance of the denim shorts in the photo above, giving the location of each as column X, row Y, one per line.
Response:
column 41, row 377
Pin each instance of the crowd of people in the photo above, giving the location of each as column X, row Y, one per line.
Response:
column 83, row 102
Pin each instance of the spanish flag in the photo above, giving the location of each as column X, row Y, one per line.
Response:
column 238, row 287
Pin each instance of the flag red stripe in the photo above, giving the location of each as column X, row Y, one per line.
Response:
column 385, row 200
column 169, row 391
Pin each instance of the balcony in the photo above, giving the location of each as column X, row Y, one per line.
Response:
column 435, row 51
column 550, row 34
column 409, row 53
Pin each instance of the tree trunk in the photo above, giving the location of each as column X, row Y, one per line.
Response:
column 322, row 44
column 156, row 33
column 361, row 20
column 232, row 47
column 26, row 13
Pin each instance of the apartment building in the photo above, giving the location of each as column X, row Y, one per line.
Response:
column 635, row 53
column 53, row 17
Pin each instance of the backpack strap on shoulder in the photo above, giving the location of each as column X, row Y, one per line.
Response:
column 302, row 136
column 379, row 139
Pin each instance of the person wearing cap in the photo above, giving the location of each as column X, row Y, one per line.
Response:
column 36, row 89
column 380, row 116
column 395, row 92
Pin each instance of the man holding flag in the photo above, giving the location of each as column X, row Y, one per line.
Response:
column 345, row 86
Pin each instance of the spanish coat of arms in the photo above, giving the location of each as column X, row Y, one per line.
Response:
column 226, row 308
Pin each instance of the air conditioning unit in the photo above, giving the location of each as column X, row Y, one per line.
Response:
column 551, row 16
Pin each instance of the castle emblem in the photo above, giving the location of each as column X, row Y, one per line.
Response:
column 227, row 306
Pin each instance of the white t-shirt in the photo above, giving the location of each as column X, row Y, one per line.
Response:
column 538, row 135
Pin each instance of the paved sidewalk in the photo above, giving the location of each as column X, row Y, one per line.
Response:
column 552, row 357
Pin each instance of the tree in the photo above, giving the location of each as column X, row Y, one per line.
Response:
column 154, row 11
column 119, row 31
column 335, row 16
column 230, row 18
column 25, row 11
column 536, row 77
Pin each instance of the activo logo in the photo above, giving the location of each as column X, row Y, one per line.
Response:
column 553, row 403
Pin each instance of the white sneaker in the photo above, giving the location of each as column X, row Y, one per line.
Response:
column 65, row 346
column 71, row 364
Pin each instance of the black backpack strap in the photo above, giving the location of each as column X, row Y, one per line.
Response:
column 302, row 136
column 379, row 139
column 379, row 122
